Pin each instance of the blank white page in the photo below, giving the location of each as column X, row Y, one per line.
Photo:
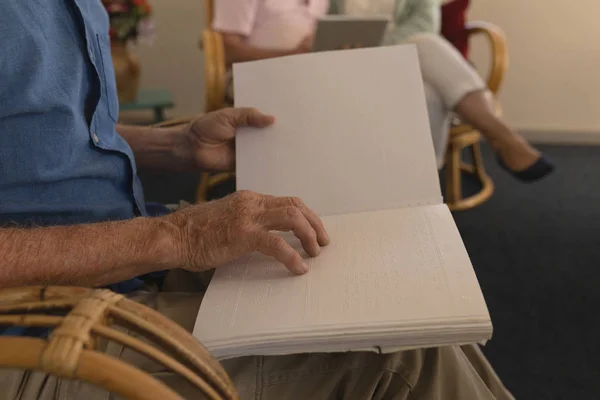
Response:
column 351, row 131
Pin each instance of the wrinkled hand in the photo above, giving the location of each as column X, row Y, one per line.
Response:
column 214, row 233
column 210, row 144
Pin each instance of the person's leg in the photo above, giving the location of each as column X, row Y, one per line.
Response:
column 463, row 91
column 425, row 374
column 483, row 368
column 477, row 109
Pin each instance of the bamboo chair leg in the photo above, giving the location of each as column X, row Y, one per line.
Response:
column 479, row 169
column 453, row 178
column 202, row 189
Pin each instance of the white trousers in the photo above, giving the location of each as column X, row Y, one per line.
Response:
column 448, row 78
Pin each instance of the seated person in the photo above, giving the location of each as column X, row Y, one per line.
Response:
column 72, row 213
column 255, row 29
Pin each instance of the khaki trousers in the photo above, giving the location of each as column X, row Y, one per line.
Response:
column 447, row 373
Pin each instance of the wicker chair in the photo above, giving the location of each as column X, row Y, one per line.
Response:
column 79, row 317
column 464, row 136
column 215, row 87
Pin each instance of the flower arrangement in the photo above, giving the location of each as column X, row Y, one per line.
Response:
column 129, row 20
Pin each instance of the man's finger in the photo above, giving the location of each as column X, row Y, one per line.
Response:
column 275, row 246
column 292, row 219
column 282, row 202
column 251, row 117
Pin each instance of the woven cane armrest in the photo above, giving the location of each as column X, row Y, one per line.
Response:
column 70, row 351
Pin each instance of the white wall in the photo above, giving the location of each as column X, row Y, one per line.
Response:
column 553, row 81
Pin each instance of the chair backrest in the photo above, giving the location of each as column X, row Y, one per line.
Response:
column 78, row 317
column 209, row 7
column 215, row 84
column 211, row 43
column 498, row 51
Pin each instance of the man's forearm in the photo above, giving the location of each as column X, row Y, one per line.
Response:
column 154, row 148
column 85, row 255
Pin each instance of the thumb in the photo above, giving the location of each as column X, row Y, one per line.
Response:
column 251, row 117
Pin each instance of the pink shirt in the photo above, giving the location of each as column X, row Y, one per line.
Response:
column 269, row 24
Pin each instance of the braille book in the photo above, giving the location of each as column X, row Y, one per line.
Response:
column 352, row 139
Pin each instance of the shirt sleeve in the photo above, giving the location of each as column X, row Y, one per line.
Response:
column 235, row 16
column 420, row 16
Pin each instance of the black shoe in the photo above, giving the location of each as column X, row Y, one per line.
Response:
column 541, row 168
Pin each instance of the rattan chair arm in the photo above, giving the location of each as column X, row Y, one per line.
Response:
column 96, row 368
column 175, row 339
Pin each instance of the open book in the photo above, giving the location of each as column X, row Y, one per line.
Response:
column 352, row 139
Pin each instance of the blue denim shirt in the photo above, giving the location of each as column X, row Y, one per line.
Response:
column 61, row 159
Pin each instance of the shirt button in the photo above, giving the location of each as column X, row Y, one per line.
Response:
column 95, row 138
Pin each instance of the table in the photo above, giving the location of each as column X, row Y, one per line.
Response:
column 154, row 99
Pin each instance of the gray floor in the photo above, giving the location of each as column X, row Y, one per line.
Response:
column 536, row 251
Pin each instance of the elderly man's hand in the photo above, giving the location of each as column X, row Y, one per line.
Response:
column 212, row 234
column 209, row 139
